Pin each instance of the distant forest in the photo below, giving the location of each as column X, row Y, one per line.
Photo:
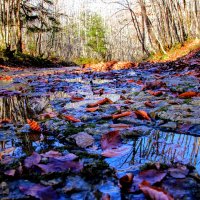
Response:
column 138, row 29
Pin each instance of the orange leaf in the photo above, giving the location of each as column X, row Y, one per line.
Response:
column 124, row 114
column 188, row 94
column 154, row 193
column 71, row 118
column 92, row 109
column 34, row 125
column 73, row 98
column 141, row 114
column 5, row 78
column 100, row 102
column 155, row 93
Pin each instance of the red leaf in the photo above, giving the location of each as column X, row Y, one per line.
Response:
column 100, row 102
column 34, row 125
column 34, row 159
column 39, row 191
column 188, row 94
column 71, row 118
column 124, row 114
column 154, row 193
column 110, row 140
column 141, row 114
column 109, row 153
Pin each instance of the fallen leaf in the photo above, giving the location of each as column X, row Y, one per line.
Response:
column 51, row 154
column 83, row 139
column 141, row 114
column 39, row 191
column 120, row 151
column 5, row 121
column 155, row 93
column 100, row 102
column 6, row 151
column 188, row 94
column 71, row 118
column 34, row 125
column 34, row 159
column 92, row 109
column 126, row 180
column 149, row 104
column 154, row 193
column 179, row 172
column 110, row 140
column 75, row 99
column 57, row 165
column 120, row 126
column 124, row 114
column 10, row 172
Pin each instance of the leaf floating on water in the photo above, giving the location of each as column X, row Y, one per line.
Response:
column 154, row 193
column 34, row 125
column 100, row 102
column 141, row 114
column 124, row 114
column 71, row 118
column 109, row 153
column 188, row 94
column 110, row 140
column 92, row 109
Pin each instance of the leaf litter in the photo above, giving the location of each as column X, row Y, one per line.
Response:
column 74, row 123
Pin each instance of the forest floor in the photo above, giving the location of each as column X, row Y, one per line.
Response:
column 72, row 133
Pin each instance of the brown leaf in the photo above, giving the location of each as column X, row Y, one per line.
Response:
column 6, row 151
column 154, row 193
column 39, row 191
column 188, row 94
column 34, row 159
column 10, row 172
column 71, row 118
column 149, row 104
column 110, row 140
column 124, row 114
column 34, row 125
column 120, row 126
column 75, row 99
column 100, row 102
column 141, row 114
column 83, row 139
column 92, row 109
column 126, row 180
column 155, row 93
column 179, row 172
column 120, row 151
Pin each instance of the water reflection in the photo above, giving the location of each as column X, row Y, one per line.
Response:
column 160, row 147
